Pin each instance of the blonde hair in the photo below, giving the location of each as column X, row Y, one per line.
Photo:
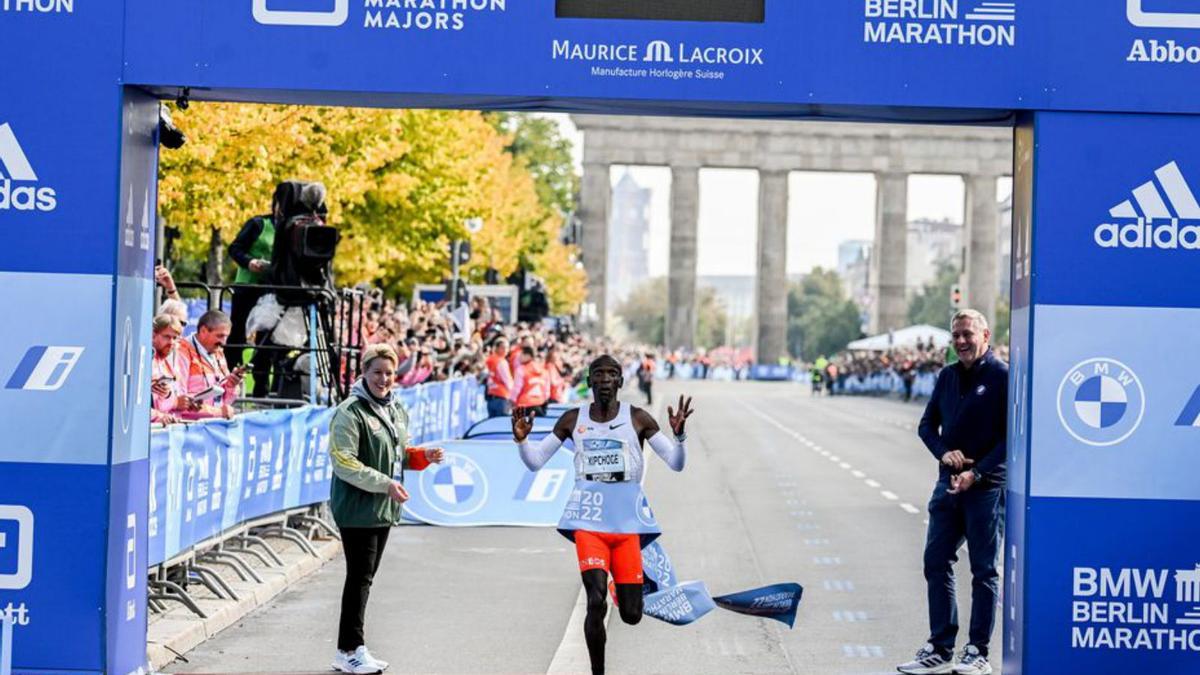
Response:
column 379, row 350
column 165, row 321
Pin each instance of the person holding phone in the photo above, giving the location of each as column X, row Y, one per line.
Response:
column 368, row 442
column 210, row 382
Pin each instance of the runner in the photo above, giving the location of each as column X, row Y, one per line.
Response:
column 608, row 516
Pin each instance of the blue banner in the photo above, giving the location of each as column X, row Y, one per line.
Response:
column 485, row 483
column 207, row 477
column 500, row 429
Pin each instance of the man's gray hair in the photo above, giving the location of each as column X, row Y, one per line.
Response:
column 972, row 315
column 213, row 319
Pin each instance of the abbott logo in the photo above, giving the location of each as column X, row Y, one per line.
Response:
column 18, row 578
column 44, row 368
column 658, row 52
column 1138, row 16
column 1154, row 224
column 279, row 17
column 17, row 169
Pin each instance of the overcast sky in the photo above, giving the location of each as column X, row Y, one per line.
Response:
column 824, row 209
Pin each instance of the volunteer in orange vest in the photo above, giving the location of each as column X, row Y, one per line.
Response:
column 554, row 376
column 533, row 385
column 500, row 380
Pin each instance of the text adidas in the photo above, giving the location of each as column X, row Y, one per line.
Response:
column 26, row 198
column 1164, row 234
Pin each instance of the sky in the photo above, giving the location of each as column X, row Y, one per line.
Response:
column 824, row 209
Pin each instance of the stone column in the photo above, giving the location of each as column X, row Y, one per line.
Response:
column 772, row 266
column 889, row 253
column 595, row 197
column 982, row 235
column 681, row 278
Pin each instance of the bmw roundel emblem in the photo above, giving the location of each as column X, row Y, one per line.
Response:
column 1101, row 401
column 458, row 487
column 644, row 512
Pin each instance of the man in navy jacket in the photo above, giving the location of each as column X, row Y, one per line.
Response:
column 965, row 427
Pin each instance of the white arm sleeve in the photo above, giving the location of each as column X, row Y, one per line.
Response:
column 535, row 458
column 672, row 452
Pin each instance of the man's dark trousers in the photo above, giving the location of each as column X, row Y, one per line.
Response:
column 974, row 515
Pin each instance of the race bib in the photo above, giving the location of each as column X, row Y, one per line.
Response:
column 603, row 460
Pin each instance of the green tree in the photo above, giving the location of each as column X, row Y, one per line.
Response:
column 931, row 305
column 644, row 313
column 540, row 148
column 821, row 320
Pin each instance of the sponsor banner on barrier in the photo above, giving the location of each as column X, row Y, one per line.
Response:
column 500, row 428
column 771, row 372
column 54, row 368
column 1115, row 591
column 52, row 568
column 1111, row 410
column 442, row 409
column 485, row 483
column 1124, row 216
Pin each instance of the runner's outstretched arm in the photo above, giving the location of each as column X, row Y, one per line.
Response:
column 535, row 457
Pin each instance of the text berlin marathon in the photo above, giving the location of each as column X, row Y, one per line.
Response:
column 936, row 22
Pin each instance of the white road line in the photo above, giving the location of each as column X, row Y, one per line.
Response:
column 910, row 508
column 858, row 474
column 845, row 465
column 572, row 655
column 887, row 494
column 872, row 483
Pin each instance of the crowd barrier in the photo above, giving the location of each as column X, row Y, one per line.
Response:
column 886, row 382
column 209, row 477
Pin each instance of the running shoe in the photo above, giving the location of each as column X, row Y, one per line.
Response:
column 366, row 656
column 972, row 663
column 349, row 662
column 928, row 662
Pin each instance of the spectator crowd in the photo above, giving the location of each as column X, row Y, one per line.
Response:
column 909, row 372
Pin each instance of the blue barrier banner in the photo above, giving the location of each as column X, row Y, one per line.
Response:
column 500, row 428
column 485, row 483
column 771, row 373
column 207, row 477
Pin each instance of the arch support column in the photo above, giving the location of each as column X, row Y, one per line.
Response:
column 681, row 277
column 889, row 255
column 772, row 266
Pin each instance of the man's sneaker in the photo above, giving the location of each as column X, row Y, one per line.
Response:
column 927, row 662
column 972, row 663
column 366, row 656
column 349, row 662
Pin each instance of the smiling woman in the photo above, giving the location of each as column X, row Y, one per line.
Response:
column 744, row 11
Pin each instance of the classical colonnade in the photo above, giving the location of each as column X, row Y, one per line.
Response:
column 981, row 155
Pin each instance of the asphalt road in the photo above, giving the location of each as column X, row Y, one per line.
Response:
column 779, row 486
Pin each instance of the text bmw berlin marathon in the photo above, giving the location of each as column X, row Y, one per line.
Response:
column 971, row 23
column 1135, row 609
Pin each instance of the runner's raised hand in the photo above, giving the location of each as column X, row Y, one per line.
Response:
column 678, row 419
column 522, row 423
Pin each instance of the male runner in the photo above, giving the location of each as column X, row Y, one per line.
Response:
column 608, row 517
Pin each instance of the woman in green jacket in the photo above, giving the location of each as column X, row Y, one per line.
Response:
column 368, row 440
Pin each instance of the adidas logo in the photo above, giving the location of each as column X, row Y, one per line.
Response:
column 15, row 169
column 1152, row 224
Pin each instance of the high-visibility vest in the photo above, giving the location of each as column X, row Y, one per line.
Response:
column 558, row 385
column 496, row 386
column 535, row 387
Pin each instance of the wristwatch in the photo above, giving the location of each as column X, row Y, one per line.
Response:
column 977, row 475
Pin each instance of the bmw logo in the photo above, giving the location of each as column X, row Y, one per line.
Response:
column 456, row 488
column 1101, row 402
column 644, row 512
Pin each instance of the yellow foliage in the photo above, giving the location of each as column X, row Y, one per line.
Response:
column 401, row 185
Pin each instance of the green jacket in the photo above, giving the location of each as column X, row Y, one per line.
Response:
column 365, row 454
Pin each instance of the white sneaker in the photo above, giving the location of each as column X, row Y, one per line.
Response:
column 972, row 662
column 349, row 662
column 927, row 662
column 366, row 656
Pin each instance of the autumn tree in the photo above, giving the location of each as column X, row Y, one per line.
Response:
column 402, row 184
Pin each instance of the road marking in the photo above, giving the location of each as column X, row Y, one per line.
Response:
column 862, row 651
column 891, row 496
column 839, row 585
column 849, row 617
column 816, row 542
column 845, row 465
column 572, row 655
column 910, row 508
column 807, row 527
column 858, row 474
column 872, row 483
column 827, row 560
